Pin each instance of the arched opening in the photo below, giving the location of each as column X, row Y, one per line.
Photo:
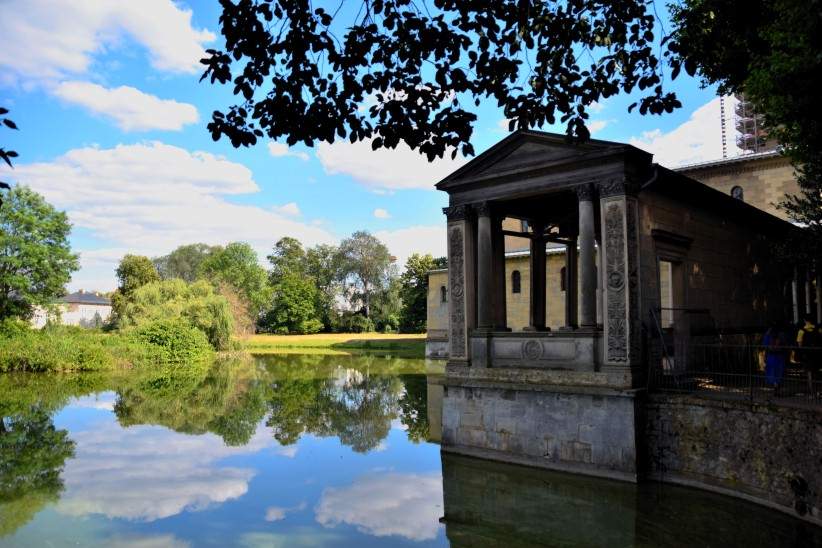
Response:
column 516, row 280
column 738, row 193
column 443, row 294
column 562, row 278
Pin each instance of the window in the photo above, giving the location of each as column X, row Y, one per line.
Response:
column 523, row 225
column 562, row 278
column 738, row 193
column 443, row 294
column 516, row 282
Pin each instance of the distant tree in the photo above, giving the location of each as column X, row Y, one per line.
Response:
column 322, row 265
column 414, row 291
column 6, row 155
column 293, row 307
column 387, row 304
column 364, row 264
column 135, row 271
column 287, row 258
column 184, row 262
column 391, row 72
column 237, row 265
column 771, row 51
column 35, row 256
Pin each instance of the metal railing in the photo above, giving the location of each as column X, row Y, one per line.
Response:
column 737, row 370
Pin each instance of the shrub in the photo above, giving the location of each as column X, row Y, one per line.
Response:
column 56, row 349
column 355, row 323
column 10, row 327
column 196, row 304
column 175, row 341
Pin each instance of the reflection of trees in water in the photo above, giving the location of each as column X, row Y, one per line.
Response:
column 32, row 455
column 226, row 398
column 414, row 407
column 354, row 398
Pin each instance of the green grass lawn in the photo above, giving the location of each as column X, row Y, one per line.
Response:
column 341, row 342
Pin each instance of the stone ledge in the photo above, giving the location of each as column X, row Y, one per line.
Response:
column 571, row 468
column 608, row 378
column 549, row 388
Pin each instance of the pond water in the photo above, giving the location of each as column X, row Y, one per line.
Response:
column 308, row 450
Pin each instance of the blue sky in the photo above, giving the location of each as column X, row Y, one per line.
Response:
column 112, row 130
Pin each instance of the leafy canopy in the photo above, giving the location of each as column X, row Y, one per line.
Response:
column 135, row 271
column 237, row 265
column 184, row 262
column 35, row 257
column 771, row 50
column 414, row 291
column 365, row 262
column 391, row 71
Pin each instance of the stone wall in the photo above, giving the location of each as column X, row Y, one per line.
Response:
column 764, row 180
column 770, row 454
column 725, row 267
column 589, row 431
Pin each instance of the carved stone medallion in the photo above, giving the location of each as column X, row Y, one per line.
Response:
column 532, row 350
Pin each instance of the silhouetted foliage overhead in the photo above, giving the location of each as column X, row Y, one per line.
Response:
column 6, row 155
column 392, row 71
column 771, row 50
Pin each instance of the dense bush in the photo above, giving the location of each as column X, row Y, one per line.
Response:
column 293, row 308
column 54, row 349
column 197, row 304
column 355, row 323
column 174, row 341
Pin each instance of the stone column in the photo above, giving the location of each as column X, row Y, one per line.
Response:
column 485, row 268
column 498, row 244
column 571, row 284
column 536, row 312
column 587, row 261
column 795, row 295
column 461, row 282
column 808, row 294
column 818, row 299
column 620, row 260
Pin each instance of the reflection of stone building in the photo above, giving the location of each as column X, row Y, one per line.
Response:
column 83, row 308
column 546, row 340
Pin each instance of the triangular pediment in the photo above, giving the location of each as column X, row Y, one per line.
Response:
column 527, row 150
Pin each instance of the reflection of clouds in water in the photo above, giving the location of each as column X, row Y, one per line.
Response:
column 277, row 513
column 407, row 505
column 158, row 541
column 302, row 536
column 149, row 472
column 103, row 401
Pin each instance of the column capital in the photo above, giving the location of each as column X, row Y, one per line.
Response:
column 585, row 192
column 482, row 209
column 457, row 212
column 617, row 186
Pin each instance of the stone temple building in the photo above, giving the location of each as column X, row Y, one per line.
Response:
column 563, row 261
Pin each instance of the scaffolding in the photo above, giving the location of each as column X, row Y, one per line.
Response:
column 751, row 134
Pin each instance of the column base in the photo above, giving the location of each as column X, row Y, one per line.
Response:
column 536, row 328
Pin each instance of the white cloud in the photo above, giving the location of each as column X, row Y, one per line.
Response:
column 699, row 139
column 145, row 473
column 149, row 198
column 385, row 169
column 596, row 107
column 52, row 39
column 129, row 107
column 595, row 126
column 291, row 209
column 279, row 150
column 381, row 213
column 414, row 239
column 407, row 505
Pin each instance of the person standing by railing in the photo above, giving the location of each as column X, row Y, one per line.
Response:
column 776, row 355
column 809, row 354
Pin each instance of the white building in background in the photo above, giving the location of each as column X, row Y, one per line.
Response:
column 83, row 308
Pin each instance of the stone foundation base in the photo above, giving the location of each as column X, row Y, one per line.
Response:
column 436, row 349
column 589, row 431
